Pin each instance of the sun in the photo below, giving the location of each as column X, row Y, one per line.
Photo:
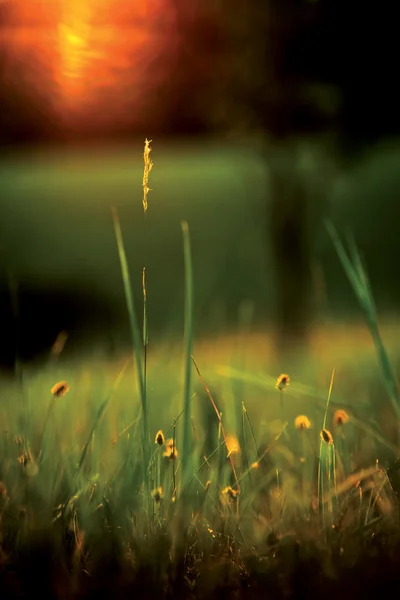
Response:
column 97, row 62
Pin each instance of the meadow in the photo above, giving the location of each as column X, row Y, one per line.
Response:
column 206, row 467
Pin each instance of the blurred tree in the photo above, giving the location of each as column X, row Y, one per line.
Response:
column 275, row 84
column 308, row 77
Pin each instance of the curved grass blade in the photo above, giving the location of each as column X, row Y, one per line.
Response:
column 357, row 275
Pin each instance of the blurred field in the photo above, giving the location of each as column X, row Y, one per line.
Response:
column 75, row 501
column 347, row 348
column 57, row 232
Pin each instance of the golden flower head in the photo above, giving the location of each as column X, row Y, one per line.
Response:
column 326, row 436
column 232, row 445
column 159, row 438
column 340, row 418
column 302, row 422
column 282, row 382
column 60, row 389
column 170, row 450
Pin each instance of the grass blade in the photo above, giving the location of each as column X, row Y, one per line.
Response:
column 137, row 346
column 187, row 454
column 357, row 275
column 99, row 416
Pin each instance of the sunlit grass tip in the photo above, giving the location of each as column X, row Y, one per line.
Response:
column 148, row 165
column 232, row 445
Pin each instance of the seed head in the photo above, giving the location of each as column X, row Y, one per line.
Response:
column 302, row 422
column 24, row 458
column 60, row 389
column 157, row 494
column 159, row 438
column 148, row 165
column 326, row 436
column 232, row 445
column 230, row 492
column 340, row 418
column 170, row 450
column 29, row 464
column 282, row 382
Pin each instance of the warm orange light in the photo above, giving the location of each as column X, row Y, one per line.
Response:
column 74, row 41
column 93, row 59
column 73, row 46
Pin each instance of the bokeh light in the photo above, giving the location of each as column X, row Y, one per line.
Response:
column 97, row 64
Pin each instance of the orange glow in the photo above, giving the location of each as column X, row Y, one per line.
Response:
column 97, row 61
column 72, row 50
column 74, row 41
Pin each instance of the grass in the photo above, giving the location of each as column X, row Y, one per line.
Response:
column 204, row 479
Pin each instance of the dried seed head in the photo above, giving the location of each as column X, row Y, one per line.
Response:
column 255, row 465
column 170, row 450
column 157, row 494
column 208, row 483
column 326, row 436
column 282, row 382
column 28, row 462
column 60, row 389
column 24, row 459
column 148, row 165
column 340, row 418
column 230, row 492
column 232, row 445
column 302, row 422
column 159, row 438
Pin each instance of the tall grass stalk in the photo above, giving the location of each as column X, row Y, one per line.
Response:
column 326, row 463
column 99, row 416
column 187, row 446
column 206, row 389
column 246, row 314
column 137, row 348
column 357, row 275
column 148, row 165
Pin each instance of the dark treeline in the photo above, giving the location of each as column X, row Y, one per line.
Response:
column 284, row 66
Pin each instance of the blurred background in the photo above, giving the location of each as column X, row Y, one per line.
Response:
column 266, row 118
